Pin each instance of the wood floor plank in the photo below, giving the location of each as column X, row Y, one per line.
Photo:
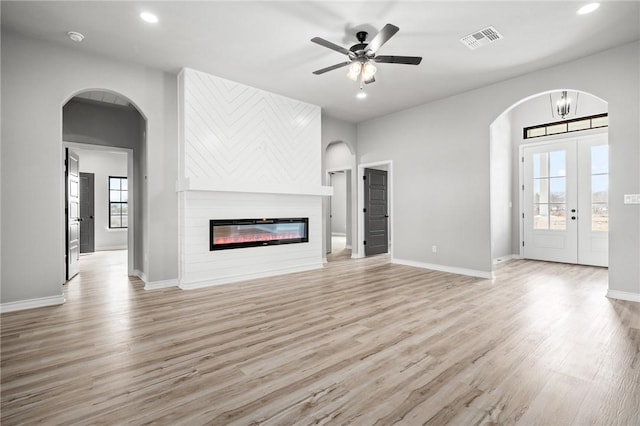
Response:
column 357, row 342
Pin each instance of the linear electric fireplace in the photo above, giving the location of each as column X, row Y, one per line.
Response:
column 238, row 233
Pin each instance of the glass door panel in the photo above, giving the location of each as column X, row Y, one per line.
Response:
column 549, row 190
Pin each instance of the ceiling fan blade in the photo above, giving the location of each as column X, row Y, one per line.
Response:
column 332, row 46
column 331, row 68
column 371, row 80
column 382, row 37
column 409, row 60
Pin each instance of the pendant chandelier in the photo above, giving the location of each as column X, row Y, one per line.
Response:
column 563, row 107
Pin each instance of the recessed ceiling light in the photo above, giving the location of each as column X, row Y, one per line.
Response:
column 361, row 95
column 75, row 36
column 588, row 8
column 149, row 17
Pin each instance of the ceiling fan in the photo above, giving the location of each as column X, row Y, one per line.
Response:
column 362, row 55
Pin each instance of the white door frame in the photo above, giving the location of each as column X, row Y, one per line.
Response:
column 132, row 195
column 388, row 166
column 348, row 172
column 544, row 140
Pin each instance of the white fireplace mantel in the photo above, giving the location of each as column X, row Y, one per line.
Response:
column 200, row 184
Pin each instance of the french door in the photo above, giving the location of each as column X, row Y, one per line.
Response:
column 565, row 201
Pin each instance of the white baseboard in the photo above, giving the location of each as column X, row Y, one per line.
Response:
column 40, row 302
column 156, row 285
column 503, row 259
column 140, row 275
column 443, row 268
column 190, row 285
column 623, row 295
column 109, row 248
column 348, row 246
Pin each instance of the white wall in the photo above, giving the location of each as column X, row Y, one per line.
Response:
column 440, row 180
column 37, row 80
column 338, row 156
column 336, row 130
column 501, row 169
column 104, row 164
column 245, row 154
column 236, row 135
column 442, row 171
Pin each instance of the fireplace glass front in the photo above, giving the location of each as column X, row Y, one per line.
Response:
column 238, row 233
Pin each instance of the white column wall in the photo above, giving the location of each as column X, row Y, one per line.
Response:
column 245, row 154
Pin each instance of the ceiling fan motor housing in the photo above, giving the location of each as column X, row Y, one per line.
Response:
column 361, row 36
column 360, row 47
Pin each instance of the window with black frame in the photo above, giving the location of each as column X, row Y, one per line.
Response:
column 118, row 202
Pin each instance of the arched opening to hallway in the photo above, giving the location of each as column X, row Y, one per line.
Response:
column 103, row 146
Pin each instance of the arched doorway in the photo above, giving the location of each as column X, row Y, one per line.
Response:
column 340, row 220
column 108, row 131
column 540, row 208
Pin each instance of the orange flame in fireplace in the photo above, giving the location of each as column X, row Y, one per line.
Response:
column 256, row 237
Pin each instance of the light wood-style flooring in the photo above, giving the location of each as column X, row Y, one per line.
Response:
column 361, row 342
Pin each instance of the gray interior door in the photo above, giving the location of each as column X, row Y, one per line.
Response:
column 376, row 218
column 87, row 207
column 72, row 195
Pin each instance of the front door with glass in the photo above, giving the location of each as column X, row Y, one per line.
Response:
column 565, row 192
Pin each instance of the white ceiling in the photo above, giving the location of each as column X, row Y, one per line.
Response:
column 266, row 44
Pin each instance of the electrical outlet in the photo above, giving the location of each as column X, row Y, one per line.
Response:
column 632, row 198
column 434, row 249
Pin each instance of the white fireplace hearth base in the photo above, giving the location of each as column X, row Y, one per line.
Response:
column 201, row 267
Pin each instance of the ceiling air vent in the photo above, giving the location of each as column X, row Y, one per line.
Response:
column 481, row 38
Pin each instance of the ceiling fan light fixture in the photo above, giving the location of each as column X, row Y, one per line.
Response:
column 354, row 70
column 368, row 71
column 361, row 95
